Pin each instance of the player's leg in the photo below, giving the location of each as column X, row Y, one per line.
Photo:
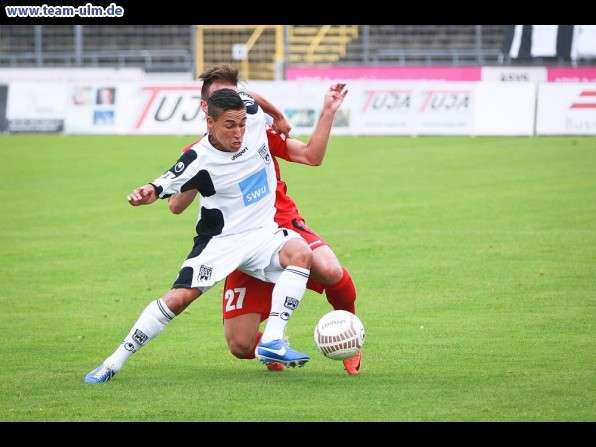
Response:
column 328, row 274
column 296, row 258
column 152, row 321
column 193, row 279
column 246, row 303
column 242, row 333
column 326, row 271
column 288, row 266
column 340, row 293
column 338, row 284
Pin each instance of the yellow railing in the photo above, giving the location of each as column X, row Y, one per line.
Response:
column 257, row 50
column 319, row 44
column 260, row 51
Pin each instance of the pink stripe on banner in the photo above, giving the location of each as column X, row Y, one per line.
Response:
column 586, row 105
column 394, row 73
column 570, row 74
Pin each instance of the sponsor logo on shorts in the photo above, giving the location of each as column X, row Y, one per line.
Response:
column 291, row 303
column 140, row 337
column 205, row 273
column 285, row 316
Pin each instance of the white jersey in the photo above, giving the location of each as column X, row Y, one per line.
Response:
column 237, row 188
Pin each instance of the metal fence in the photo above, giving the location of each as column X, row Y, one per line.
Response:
column 173, row 48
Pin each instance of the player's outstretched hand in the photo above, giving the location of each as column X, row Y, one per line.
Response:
column 142, row 195
column 281, row 125
column 334, row 97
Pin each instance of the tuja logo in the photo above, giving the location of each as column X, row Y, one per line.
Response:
column 170, row 103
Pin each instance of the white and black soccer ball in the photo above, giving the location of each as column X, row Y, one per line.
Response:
column 339, row 335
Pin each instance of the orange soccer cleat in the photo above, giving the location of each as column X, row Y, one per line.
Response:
column 275, row 366
column 353, row 364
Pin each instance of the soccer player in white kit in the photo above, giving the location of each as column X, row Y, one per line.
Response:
column 233, row 171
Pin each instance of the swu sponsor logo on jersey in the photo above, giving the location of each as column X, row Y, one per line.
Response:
column 255, row 187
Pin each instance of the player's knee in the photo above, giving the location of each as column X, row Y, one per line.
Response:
column 178, row 299
column 329, row 273
column 296, row 252
column 240, row 348
column 303, row 257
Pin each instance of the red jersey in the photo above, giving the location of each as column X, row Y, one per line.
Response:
column 285, row 206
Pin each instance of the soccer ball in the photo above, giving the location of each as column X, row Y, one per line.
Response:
column 339, row 335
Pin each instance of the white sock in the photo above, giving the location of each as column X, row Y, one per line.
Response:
column 151, row 323
column 287, row 293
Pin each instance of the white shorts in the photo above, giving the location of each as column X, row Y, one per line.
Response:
column 255, row 252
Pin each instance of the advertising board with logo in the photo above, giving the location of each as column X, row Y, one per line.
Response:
column 36, row 107
column 137, row 108
column 566, row 109
column 370, row 108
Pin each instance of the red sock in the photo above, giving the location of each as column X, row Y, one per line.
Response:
column 342, row 295
column 251, row 354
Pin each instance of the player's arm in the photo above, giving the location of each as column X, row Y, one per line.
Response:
column 280, row 123
column 179, row 202
column 313, row 152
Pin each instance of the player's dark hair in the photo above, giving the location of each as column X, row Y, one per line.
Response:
column 218, row 73
column 223, row 100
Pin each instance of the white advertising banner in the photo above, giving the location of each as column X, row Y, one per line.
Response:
column 380, row 107
column 514, row 74
column 36, row 106
column 370, row 108
column 566, row 109
column 412, row 108
column 505, row 108
column 136, row 108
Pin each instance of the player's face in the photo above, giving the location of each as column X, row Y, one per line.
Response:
column 227, row 132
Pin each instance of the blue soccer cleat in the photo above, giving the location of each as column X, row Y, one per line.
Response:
column 280, row 352
column 100, row 374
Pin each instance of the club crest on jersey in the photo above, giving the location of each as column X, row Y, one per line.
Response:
column 205, row 273
column 291, row 303
column 265, row 154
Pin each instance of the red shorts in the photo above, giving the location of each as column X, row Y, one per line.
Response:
column 244, row 294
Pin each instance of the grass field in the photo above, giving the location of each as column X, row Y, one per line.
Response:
column 474, row 261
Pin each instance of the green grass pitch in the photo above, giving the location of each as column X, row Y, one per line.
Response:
column 474, row 261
